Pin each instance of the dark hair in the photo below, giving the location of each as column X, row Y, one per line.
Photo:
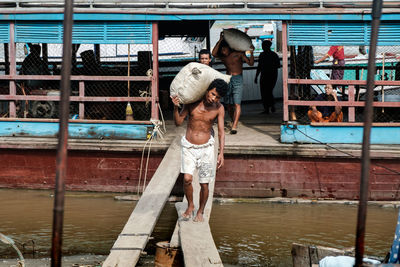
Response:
column 205, row 52
column 266, row 44
column 35, row 49
column 220, row 85
column 221, row 45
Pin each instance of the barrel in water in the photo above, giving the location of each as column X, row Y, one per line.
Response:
column 237, row 40
column 167, row 256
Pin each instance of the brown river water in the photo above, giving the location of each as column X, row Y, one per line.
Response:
column 246, row 234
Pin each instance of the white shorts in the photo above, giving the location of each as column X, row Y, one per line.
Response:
column 198, row 156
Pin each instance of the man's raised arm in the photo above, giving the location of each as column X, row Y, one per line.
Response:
column 179, row 117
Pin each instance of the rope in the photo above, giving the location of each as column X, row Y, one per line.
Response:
column 157, row 132
column 346, row 153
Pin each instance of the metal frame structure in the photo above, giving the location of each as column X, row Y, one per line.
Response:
column 351, row 103
column 13, row 77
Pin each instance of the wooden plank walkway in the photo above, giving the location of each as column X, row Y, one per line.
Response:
column 195, row 238
column 136, row 232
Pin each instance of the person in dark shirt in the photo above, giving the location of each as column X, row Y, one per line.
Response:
column 268, row 65
column 326, row 113
column 33, row 64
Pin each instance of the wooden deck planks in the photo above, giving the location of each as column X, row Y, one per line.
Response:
column 198, row 245
column 136, row 232
column 195, row 238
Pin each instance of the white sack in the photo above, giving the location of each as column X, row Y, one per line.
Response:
column 237, row 40
column 192, row 81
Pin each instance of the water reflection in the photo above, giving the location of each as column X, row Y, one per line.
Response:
column 245, row 234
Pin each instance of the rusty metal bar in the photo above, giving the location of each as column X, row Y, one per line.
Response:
column 352, row 111
column 154, row 84
column 285, row 72
column 61, row 171
column 81, row 104
column 75, row 78
column 13, row 70
column 342, row 82
column 80, row 121
column 341, row 103
column 77, row 98
column 368, row 114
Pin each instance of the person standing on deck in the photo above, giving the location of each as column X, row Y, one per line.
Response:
column 198, row 143
column 268, row 65
column 205, row 57
column 233, row 61
column 337, row 52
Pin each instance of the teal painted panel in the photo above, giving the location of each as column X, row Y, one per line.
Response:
column 76, row 130
column 200, row 16
column 96, row 32
column 338, row 134
column 341, row 33
column 38, row 32
column 4, row 32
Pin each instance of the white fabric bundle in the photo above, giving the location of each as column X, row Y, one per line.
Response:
column 193, row 80
column 237, row 40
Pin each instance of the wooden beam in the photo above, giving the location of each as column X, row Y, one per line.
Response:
column 132, row 240
column 198, row 245
column 195, row 238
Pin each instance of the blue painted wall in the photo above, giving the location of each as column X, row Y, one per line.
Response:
column 200, row 16
column 338, row 134
column 76, row 130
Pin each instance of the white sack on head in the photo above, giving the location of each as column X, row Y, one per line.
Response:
column 237, row 40
column 193, row 80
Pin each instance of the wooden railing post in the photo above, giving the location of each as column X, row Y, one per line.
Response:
column 154, row 82
column 81, row 103
column 352, row 114
column 285, row 71
column 13, row 71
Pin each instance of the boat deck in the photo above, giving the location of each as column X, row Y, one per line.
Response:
column 258, row 134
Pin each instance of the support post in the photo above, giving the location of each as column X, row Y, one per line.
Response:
column 368, row 114
column 154, row 81
column 13, row 70
column 352, row 114
column 285, row 72
column 81, row 103
column 61, row 165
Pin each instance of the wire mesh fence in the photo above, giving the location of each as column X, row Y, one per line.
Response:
column 350, row 63
column 91, row 60
column 44, row 60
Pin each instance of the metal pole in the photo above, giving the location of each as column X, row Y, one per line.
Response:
column 154, row 83
column 285, row 72
column 58, row 211
column 368, row 115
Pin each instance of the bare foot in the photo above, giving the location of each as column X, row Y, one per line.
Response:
column 188, row 214
column 199, row 217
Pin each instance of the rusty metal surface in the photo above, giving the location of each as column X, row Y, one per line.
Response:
column 62, row 151
column 242, row 175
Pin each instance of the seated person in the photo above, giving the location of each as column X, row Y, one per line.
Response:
column 33, row 64
column 326, row 113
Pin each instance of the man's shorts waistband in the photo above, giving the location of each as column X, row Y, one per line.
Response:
column 187, row 144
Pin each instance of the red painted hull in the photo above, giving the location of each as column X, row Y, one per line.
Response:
column 242, row 176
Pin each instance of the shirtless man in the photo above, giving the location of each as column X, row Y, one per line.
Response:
column 233, row 61
column 198, row 144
